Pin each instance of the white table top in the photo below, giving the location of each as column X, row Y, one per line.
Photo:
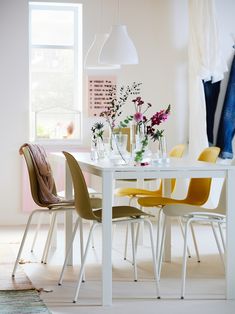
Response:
column 176, row 165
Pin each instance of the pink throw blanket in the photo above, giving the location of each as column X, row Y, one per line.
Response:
column 43, row 173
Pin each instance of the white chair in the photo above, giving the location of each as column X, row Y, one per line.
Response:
column 190, row 214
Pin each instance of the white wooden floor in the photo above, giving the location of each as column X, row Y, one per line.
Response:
column 205, row 284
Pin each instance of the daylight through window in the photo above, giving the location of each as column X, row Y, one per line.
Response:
column 55, row 71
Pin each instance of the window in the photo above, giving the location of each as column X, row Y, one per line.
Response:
column 55, row 71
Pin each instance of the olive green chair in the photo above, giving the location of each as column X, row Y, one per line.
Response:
column 44, row 208
column 120, row 214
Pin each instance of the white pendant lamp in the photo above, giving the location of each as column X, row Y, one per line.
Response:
column 92, row 56
column 118, row 48
column 91, row 59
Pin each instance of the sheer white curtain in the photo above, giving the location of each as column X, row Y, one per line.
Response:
column 205, row 63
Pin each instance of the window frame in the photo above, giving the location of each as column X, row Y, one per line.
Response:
column 77, row 8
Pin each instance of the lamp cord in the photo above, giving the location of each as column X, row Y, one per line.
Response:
column 101, row 15
column 118, row 12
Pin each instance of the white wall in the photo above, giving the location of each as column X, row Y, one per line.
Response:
column 14, row 103
column 159, row 31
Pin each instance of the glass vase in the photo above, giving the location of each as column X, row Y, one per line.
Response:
column 162, row 150
column 118, row 148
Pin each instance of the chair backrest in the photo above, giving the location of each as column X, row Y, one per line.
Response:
column 199, row 188
column 128, row 132
column 81, row 195
column 176, row 152
column 34, row 186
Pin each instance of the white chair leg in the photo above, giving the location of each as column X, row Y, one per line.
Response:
column 127, row 232
column 36, row 232
column 113, row 231
column 81, row 242
column 182, row 231
column 68, row 251
column 158, row 232
column 133, row 250
column 126, row 241
column 154, row 258
column 160, row 257
column 83, row 262
column 49, row 237
column 92, row 239
column 195, row 243
column 137, row 237
column 218, row 244
column 184, row 264
column 222, row 236
column 23, row 242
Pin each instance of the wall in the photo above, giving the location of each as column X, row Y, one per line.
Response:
column 159, row 31
column 14, row 104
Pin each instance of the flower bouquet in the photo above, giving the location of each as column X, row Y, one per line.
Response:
column 143, row 128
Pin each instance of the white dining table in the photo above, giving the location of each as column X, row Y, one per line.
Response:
column 176, row 168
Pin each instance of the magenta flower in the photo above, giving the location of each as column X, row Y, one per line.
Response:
column 138, row 117
column 159, row 117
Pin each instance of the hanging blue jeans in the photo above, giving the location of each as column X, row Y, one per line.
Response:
column 211, row 91
column 227, row 120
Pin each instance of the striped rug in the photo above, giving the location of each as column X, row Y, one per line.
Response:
column 17, row 295
column 22, row 302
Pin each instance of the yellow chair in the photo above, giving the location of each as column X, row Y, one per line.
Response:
column 176, row 152
column 120, row 214
column 44, row 208
column 198, row 190
column 194, row 213
column 198, row 193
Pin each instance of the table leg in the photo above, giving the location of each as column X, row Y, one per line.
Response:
column 230, row 252
column 68, row 214
column 107, row 190
column 167, row 251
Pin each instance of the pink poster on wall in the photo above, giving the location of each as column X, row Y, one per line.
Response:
column 99, row 88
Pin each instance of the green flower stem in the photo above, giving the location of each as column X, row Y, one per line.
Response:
column 140, row 153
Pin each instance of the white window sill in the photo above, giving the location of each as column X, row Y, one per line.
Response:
column 59, row 145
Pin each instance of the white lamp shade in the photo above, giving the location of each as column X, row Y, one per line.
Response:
column 92, row 56
column 118, row 48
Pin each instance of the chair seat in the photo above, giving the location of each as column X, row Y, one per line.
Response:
column 96, row 202
column 162, row 201
column 63, row 203
column 136, row 192
column 134, row 180
column 177, row 210
column 123, row 212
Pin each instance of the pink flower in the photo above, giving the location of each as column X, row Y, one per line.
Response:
column 138, row 117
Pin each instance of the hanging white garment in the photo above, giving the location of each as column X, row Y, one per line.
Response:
column 205, row 63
